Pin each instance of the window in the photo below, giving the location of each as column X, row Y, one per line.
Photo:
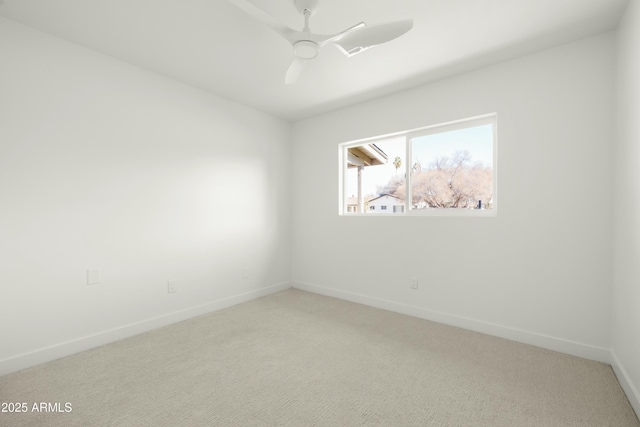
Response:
column 447, row 169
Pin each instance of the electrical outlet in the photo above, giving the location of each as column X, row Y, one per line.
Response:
column 171, row 286
column 93, row 277
column 414, row 282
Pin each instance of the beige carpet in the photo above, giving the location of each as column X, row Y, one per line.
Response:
column 300, row 359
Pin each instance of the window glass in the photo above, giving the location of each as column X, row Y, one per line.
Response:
column 453, row 170
column 372, row 170
column 441, row 169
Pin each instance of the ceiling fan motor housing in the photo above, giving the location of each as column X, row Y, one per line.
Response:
column 305, row 49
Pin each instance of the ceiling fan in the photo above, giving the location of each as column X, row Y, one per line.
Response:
column 307, row 45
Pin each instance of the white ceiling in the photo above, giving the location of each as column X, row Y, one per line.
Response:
column 214, row 46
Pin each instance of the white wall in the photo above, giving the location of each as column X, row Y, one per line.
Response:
column 104, row 165
column 626, row 247
column 539, row 272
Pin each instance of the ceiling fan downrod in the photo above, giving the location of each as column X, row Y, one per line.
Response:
column 306, row 49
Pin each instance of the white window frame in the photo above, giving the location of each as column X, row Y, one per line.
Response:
column 409, row 135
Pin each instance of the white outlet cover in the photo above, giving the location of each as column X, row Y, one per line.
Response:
column 93, row 277
column 171, row 286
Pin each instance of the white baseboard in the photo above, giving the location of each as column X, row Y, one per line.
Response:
column 573, row 348
column 47, row 354
column 627, row 385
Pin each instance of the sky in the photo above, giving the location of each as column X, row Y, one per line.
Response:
column 477, row 140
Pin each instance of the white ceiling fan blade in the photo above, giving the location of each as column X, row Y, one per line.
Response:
column 323, row 40
column 294, row 71
column 359, row 39
column 268, row 20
